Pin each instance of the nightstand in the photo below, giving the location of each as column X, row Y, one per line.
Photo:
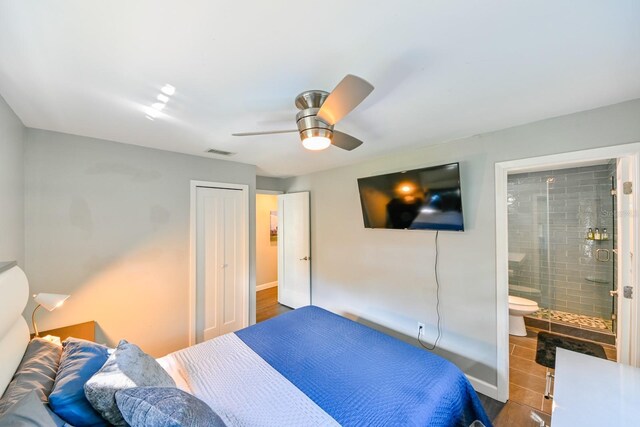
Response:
column 85, row 331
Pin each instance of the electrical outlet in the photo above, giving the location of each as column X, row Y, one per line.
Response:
column 421, row 328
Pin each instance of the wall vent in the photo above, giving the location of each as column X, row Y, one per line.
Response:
column 220, row 152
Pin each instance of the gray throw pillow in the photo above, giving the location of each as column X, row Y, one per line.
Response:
column 127, row 367
column 164, row 407
column 36, row 372
column 28, row 411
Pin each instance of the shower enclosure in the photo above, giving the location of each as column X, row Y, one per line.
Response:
column 561, row 248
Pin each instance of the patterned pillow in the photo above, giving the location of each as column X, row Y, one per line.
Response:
column 164, row 407
column 127, row 367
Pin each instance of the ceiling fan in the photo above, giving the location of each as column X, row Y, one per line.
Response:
column 320, row 111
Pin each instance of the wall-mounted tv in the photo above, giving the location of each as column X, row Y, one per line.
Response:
column 419, row 199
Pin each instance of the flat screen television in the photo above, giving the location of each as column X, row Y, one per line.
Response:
column 419, row 199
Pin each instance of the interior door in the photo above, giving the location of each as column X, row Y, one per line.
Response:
column 294, row 250
column 220, row 276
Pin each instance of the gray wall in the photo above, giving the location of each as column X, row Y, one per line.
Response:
column 270, row 184
column 385, row 277
column 564, row 268
column 108, row 223
column 12, row 135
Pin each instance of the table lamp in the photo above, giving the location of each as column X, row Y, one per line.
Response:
column 48, row 301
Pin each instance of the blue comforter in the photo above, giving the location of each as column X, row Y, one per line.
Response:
column 362, row 377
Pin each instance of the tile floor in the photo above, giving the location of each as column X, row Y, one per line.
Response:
column 526, row 378
column 590, row 322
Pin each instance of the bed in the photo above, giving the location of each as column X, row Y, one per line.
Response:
column 308, row 367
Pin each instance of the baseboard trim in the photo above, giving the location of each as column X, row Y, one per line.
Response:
column 484, row 387
column 266, row 286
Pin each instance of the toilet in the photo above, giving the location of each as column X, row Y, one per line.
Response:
column 519, row 307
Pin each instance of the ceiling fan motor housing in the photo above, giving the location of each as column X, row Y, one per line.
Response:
column 309, row 125
column 311, row 99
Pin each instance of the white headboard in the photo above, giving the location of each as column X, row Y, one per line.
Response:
column 14, row 331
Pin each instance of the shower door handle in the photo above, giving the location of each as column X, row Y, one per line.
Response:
column 600, row 258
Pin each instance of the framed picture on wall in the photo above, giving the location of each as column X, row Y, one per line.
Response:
column 273, row 226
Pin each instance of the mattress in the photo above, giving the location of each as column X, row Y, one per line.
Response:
column 312, row 367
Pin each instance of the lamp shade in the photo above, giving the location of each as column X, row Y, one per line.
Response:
column 50, row 301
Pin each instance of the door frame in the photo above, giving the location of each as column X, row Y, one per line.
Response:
column 629, row 151
column 193, row 185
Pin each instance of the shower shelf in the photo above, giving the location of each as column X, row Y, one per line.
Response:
column 596, row 280
column 597, row 240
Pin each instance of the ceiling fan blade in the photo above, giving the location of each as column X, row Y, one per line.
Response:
column 349, row 93
column 263, row 133
column 345, row 141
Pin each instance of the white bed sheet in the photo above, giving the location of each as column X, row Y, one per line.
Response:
column 240, row 386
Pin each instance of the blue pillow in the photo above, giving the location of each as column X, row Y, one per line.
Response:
column 164, row 407
column 80, row 360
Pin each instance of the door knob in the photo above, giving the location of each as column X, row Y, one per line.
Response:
column 307, row 258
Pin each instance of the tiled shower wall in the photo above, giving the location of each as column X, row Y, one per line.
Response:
column 559, row 269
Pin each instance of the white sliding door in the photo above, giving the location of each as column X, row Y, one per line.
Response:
column 294, row 250
column 221, row 275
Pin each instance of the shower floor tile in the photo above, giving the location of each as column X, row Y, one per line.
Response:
column 581, row 320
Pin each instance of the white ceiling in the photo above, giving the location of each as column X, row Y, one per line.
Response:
column 442, row 69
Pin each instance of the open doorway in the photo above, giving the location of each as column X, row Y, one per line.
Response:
column 267, row 235
column 561, row 231
column 560, row 275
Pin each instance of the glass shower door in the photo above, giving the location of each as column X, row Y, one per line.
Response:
column 529, row 257
column 614, row 255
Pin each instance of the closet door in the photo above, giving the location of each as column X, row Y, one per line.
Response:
column 220, row 276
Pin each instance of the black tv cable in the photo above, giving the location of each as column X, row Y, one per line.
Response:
column 435, row 270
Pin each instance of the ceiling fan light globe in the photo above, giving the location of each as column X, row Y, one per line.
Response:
column 316, row 143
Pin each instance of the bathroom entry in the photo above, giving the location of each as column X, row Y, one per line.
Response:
column 565, row 265
column 561, row 273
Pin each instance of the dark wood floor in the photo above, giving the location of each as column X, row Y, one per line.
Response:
column 267, row 304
